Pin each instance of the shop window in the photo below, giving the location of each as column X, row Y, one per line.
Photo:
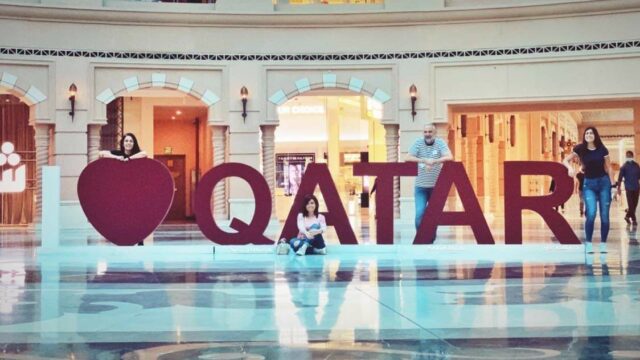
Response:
column 111, row 133
column 18, row 138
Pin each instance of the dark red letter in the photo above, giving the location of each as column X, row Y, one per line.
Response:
column 318, row 174
column 246, row 234
column 453, row 173
column 385, row 173
column 514, row 202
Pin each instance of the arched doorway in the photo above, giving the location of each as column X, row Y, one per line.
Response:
column 171, row 126
column 17, row 163
column 336, row 127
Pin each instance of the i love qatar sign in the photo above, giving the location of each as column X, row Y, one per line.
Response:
column 126, row 201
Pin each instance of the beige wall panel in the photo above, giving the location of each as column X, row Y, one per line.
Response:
column 64, row 122
column 578, row 78
column 238, row 188
column 244, row 144
column 69, row 188
column 71, row 165
column 249, row 75
column 70, row 143
column 112, row 77
column 374, row 77
column 37, row 74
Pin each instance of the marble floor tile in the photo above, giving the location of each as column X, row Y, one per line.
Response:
column 177, row 299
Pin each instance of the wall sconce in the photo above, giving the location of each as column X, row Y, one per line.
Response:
column 72, row 98
column 413, row 91
column 244, row 93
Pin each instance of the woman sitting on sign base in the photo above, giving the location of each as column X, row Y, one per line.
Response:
column 311, row 226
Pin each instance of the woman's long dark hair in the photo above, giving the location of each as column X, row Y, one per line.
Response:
column 306, row 200
column 596, row 139
column 136, row 147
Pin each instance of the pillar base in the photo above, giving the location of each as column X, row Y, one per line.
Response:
column 273, row 229
column 407, row 211
column 72, row 216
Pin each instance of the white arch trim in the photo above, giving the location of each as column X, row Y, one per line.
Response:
column 159, row 80
column 328, row 81
column 8, row 80
column 32, row 96
column 131, row 84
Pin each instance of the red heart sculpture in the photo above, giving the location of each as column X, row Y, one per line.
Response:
column 125, row 201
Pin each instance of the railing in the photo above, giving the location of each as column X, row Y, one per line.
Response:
column 180, row 1
column 318, row 7
column 328, row 2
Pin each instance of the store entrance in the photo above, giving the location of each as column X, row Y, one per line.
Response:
column 483, row 137
column 17, row 163
column 338, row 129
column 172, row 128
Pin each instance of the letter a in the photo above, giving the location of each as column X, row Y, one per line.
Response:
column 453, row 173
column 336, row 216
column 385, row 172
column 514, row 202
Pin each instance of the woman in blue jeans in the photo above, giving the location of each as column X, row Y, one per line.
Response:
column 596, row 166
column 311, row 226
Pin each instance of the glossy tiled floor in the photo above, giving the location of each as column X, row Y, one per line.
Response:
column 177, row 300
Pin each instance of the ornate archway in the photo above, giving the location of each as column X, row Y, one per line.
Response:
column 30, row 142
column 172, row 82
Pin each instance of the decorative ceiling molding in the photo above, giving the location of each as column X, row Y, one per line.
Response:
column 489, row 52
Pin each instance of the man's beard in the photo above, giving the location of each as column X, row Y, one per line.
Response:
column 429, row 141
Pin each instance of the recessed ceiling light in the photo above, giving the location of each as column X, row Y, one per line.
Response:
column 173, row 118
column 178, row 112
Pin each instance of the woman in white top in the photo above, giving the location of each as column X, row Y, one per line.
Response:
column 311, row 226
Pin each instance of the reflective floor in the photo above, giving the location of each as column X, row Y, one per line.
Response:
column 176, row 299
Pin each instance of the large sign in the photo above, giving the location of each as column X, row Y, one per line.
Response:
column 125, row 201
column 149, row 190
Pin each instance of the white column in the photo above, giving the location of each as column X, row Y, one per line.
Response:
column 269, row 162
column 219, row 142
column 333, row 132
column 43, row 141
column 93, row 141
column 50, row 206
column 391, row 139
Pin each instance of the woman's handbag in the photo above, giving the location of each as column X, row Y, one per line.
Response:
column 283, row 247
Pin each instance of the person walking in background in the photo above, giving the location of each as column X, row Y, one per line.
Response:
column 594, row 157
column 579, row 188
column 552, row 188
column 630, row 173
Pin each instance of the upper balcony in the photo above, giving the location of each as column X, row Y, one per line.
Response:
column 302, row 13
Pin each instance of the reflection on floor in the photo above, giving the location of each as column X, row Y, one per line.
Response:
column 345, row 305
